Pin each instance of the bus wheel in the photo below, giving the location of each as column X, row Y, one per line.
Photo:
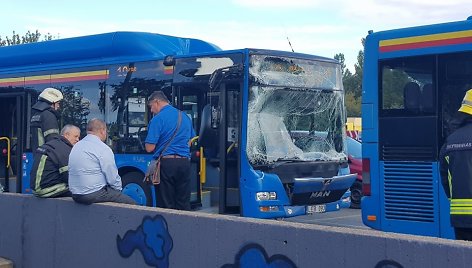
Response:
column 356, row 194
column 134, row 187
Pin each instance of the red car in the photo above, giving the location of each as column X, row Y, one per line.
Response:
column 354, row 155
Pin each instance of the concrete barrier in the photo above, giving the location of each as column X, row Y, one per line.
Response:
column 61, row 233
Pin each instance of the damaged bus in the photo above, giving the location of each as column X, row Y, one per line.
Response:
column 270, row 124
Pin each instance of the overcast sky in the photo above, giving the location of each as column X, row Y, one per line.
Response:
column 319, row 27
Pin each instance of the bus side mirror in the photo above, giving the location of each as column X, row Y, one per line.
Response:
column 209, row 126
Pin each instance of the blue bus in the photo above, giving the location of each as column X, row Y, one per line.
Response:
column 414, row 82
column 270, row 124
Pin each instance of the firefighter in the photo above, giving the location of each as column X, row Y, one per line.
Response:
column 456, row 171
column 49, row 175
column 44, row 121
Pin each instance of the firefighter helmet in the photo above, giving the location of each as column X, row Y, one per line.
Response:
column 51, row 95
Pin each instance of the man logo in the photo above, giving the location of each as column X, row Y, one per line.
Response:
column 323, row 192
column 320, row 194
column 326, row 183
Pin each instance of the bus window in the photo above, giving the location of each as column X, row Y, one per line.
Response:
column 81, row 95
column 455, row 76
column 190, row 107
column 127, row 116
column 406, row 86
column 136, row 112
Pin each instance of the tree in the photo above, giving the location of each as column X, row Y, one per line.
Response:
column 353, row 82
column 359, row 72
column 353, row 105
column 29, row 37
column 340, row 57
column 74, row 108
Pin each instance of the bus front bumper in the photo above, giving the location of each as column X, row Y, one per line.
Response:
column 344, row 202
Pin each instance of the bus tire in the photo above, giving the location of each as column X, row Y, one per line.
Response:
column 134, row 187
column 356, row 194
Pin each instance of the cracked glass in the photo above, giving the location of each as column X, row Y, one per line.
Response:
column 296, row 111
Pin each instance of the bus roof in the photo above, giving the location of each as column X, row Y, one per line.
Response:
column 425, row 29
column 290, row 55
column 424, row 39
column 109, row 47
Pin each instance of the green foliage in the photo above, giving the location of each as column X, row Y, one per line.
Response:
column 74, row 108
column 393, row 83
column 352, row 82
column 353, row 105
column 340, row 57
column 29, row 37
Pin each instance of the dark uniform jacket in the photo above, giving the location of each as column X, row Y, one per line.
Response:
column 456, row 173
column 44, row 125
column 49, row 176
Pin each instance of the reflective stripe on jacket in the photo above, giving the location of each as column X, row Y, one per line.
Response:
column 49, row 175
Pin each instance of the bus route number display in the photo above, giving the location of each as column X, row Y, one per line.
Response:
column 123, row 70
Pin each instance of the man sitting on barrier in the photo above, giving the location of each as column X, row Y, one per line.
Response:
column 93, row 175
column 49, row 174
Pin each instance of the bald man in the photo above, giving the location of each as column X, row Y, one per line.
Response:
column 93, row 175
column 49, row 174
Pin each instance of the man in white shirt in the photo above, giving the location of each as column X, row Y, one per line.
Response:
column 93, row 175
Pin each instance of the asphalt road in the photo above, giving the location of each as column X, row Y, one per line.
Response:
column 345, row 217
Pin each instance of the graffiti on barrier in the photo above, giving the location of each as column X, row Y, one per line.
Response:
column 151, row 238
column 254, row 255
column 388, row 264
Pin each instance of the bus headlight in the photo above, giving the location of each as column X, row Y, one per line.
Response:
column 264, row 196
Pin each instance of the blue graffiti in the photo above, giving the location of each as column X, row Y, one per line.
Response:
column 254, row 255
column 388, row 264
column 151, row 238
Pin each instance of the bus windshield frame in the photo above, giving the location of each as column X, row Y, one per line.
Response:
column 295, row 110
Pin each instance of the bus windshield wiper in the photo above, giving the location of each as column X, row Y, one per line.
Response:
column 282, row 161
column 292, row 159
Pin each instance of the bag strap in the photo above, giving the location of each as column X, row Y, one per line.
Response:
column 179, row 120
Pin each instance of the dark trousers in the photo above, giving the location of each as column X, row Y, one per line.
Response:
column 106, row 194
column 463, row 233
column 174, row 189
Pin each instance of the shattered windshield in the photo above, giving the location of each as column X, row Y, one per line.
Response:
column 296, row 111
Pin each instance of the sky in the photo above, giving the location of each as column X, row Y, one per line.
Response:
column 318, row 27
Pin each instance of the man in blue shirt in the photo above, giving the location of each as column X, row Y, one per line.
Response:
column 174, row 188
column 93, row 175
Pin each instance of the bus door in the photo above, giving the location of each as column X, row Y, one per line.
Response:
column 229, row 201
column 208, row 89
column 12, row 131
column 219, row 136
column 190, row 101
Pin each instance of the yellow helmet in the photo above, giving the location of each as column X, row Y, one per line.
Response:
column 50, row 95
